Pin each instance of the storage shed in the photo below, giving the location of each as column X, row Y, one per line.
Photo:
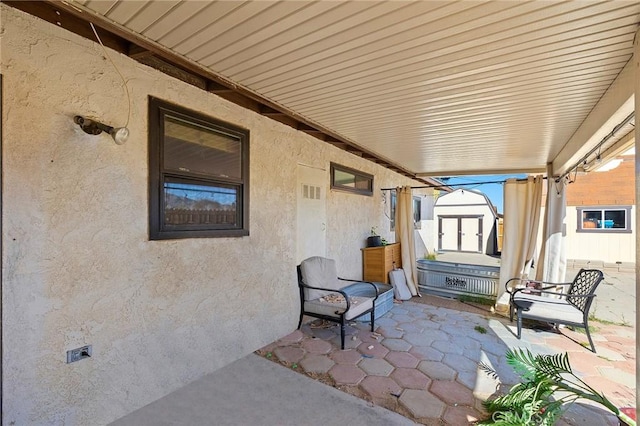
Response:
column 466, row 222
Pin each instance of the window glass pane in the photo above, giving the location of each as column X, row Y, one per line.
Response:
column 614, row 219
column 591, row 219
column 417, row 209
column 344, row 179
column 191, row 148
column 200, row 204
column 363, row 183
column 392, row 210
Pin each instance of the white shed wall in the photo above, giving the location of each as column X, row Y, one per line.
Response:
column 462, row 203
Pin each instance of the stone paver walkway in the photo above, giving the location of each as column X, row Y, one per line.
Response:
column 422, row 361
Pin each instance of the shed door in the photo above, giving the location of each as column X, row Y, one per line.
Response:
column 448, row 233
column 471, row 234
column 460, row 233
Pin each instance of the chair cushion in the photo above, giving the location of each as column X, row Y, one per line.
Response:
column 328, row 306
column 548, row 309
column 320, row 272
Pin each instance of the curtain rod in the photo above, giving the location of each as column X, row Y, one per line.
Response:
column 598, row 147
column 460, row 184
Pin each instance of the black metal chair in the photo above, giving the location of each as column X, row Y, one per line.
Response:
column 537, row 300
column 326, row 296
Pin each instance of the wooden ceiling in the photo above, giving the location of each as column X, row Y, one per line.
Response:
column 427, row 88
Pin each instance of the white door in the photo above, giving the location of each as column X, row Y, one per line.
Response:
column 448, row 233
column 311, row 212
column 470, row 234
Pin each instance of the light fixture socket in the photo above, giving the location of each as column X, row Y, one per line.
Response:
column 92, row 127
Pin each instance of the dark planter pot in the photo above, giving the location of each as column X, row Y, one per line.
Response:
column 374, row 241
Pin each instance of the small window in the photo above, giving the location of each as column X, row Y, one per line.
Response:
column 392, row 210
column 198, row 175
column 346, row 179
column 604, row 219
column 417, row 210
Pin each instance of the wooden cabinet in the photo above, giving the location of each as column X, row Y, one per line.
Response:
column 378, row 261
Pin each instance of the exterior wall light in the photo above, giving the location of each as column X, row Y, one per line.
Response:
column 92, row 127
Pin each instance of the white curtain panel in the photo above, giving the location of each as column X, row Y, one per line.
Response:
column 522, row 203
column 552, row 262
column 404, row 235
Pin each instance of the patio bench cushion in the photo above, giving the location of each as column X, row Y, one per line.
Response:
column 324, row 295
column 548, row 309
column 320, row 272
column 548, row 302
column 359, row 305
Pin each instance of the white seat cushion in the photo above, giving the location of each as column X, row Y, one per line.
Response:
column 320, row 272
column 326, row 306
column 548, row 309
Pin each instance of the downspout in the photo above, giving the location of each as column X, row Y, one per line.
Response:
column 1, row 269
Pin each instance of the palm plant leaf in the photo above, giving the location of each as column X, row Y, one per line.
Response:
column 531, row 402
column 489, row 370
column 523, row 363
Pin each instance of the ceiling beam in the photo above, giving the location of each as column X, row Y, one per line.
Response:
column 612, row 108
column 76, row 18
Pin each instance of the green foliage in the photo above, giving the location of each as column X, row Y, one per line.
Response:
column 535, row 401
column 480, row 329
column 477, row 299
column 430, row 256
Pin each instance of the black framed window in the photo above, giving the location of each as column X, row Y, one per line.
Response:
column 604, row 219
column 198, row 175
column 351, row 180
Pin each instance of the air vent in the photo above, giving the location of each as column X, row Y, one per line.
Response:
column 310, row 192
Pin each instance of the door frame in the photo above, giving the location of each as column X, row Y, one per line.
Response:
column 459, row 241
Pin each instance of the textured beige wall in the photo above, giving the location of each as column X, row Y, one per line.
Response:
column 78, row 267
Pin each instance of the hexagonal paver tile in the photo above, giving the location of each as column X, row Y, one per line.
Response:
column 410, row 378
column 422, row 404
column 369, row 337
column 373, row 350
column 402, row 359
column 418, row 339
column 436, row 370
column 390, row 332
column 399, row 310
column 452, row 392
column 350, row 356
column 376, row 367
column 396, row 344
column 426, row 353
column 317, row 346
column 349, row 342
column 324, row 333
column 447, row 347
column 460, row 363
column 401, row 318
column 296, row 336
column 317, row 363
column 386, row 322
column 410, row 327
column 289, row 354
column 436, row 334
column 380, row 387
column 462, row 415
column 345, row 374
column 427, row 324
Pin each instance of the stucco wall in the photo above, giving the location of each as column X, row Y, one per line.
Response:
column 78, row 267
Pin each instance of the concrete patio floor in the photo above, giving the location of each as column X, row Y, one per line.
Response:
column 420, row 366
column 422, row 361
